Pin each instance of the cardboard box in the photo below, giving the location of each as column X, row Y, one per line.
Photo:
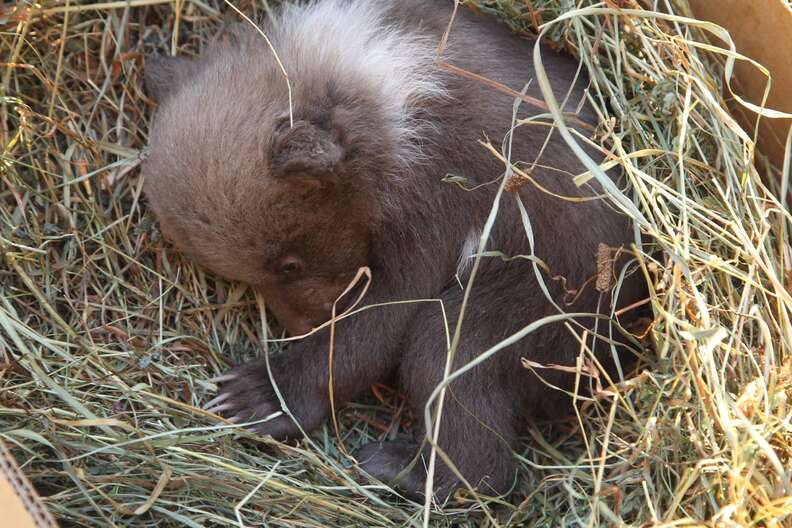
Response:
column 20, row 505
column 761, row 30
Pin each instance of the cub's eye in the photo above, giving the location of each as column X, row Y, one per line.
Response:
column 290, row 267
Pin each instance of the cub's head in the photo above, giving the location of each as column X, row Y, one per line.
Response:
column 285, row 201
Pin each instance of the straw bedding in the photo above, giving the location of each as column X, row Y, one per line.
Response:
column 108, row 337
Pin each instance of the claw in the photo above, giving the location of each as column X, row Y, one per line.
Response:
column 235, row 419
column 217, row 409
column 224, row 377
column 216, row 401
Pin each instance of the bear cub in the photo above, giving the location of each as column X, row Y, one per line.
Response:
column 292, row 188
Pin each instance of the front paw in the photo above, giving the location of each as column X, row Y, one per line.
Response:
column 247, row 395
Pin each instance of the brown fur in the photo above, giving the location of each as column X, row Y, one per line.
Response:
column 295, row 211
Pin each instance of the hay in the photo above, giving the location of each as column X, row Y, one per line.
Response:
column 108, row 337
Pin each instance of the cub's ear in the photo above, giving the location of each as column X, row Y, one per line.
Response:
column 304, row 150
column 164, row 75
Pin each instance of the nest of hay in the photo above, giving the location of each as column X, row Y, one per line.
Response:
column 108, row 337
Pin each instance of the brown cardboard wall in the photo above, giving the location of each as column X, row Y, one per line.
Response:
column 20, row 505
column 761, row 30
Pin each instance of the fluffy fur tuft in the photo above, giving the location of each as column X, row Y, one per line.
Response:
column 357, row 42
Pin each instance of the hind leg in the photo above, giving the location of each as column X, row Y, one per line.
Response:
column 477, row 428
column 478, row 446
